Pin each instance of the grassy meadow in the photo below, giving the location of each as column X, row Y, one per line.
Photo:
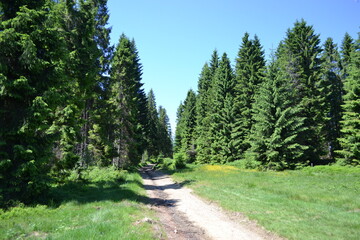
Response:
column 314, row 203
column 109, row 204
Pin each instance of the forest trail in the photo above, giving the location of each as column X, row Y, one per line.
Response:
column 185, row 216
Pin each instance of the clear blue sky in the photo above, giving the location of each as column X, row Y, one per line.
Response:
column 176, row 37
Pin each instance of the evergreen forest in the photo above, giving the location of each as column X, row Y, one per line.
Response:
column 70, row 100
column 299, row 108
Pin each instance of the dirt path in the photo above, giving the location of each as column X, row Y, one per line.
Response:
column 186, row 216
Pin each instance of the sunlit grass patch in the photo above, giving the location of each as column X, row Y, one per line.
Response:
column 313, row 203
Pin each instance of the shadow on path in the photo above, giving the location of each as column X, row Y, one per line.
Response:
column 88, row 192
column 160, row 187
column 148, row 172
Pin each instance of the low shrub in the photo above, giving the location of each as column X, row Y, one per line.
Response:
column 167, row 164
column 96, row 174
column 179, row 160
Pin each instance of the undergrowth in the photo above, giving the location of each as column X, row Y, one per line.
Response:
column 178, row 162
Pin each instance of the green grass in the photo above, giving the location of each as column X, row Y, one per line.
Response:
column 106, row 206
column 313, row 203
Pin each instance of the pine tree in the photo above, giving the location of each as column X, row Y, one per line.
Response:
column 300, row 57
column 31, row 72
column 100, row 144
column 179, row 128
column 76, row 20
column 188, row 124
column 214, row 63
column 350, row 125
column 140, row 108
column 276, row 127
column 202, row 113
column 165, row 133
column 249, row 72
column 331, row 88
column 126, row 92
column 222, row 118
column 203, row 109
column 347, row 47
column 204, row 87
column 85, row 63
column 152, row 126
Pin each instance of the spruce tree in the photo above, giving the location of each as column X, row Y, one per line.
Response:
column 141, row 100
column 203, row 94
column 347, row 47
column 32, row 51
column 188, row 124
column 86, row 69
column 249, row 72
column 276, row 127
column 152, row 126
column 350, row 125
column 76, row 20
column 165, row 133
column 203, row 109
column 202, row 114
column 300, row 62
column 214, row 63
column 100, row 144
column 331, row 89
column 126, row 92
column 222, row 117
column 179, row 128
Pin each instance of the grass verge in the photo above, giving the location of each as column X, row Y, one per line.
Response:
column 108, row 205
column 313, row 203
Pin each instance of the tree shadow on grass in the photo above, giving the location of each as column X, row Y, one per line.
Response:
column 181, row 170
column 85, row 192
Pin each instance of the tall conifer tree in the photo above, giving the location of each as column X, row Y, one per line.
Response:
column 214, row 63
column 85, row 65
column 203, row 109
column 301, row 63
column 77, row 22
column 165, row 133
column 188, row 124
column 31, row 72
column 350, row 126
column 126, row 94
column 331, row 88
column 204, row 87
column 276, row 127
column 249, row 72
column 347, row 47
column 179, row 128
column 100, row 132
column 222, row 117
column 152, row 126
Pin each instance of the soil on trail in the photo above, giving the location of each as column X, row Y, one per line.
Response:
column 185, row 216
